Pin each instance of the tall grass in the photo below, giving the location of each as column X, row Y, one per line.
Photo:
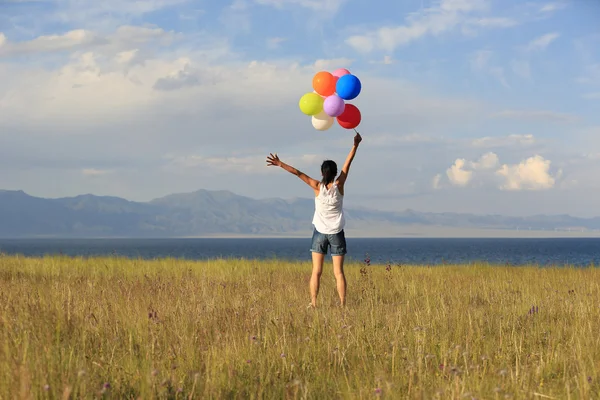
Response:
column 121, row 328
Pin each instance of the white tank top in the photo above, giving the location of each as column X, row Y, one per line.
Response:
column 329, row 215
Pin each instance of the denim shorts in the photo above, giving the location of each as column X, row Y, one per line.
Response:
column 321, row 242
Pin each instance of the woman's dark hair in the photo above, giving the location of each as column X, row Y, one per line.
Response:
column 329, row 171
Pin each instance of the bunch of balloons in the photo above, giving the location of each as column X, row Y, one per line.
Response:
column 328, row 101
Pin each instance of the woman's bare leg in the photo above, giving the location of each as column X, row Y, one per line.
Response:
column 317, row 259
column 340, row 278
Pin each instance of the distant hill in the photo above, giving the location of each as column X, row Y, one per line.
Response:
column 209, row 213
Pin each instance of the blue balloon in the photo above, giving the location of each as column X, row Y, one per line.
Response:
column 348, row 87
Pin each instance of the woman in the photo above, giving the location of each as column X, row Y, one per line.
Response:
column 328, row 219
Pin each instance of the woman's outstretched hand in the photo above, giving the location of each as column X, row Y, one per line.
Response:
column 357, row 139
column 273, row 160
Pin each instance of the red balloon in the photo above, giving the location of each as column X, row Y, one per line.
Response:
column 350, row 118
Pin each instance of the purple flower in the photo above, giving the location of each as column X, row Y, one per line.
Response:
column 378, row 391
column 282, row 355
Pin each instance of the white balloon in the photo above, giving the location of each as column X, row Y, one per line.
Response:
column 322, row 121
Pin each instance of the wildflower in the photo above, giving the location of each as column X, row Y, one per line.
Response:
column 46, row 387
column 378, row 391
column 105, row 387
column 282, row 355
column 533, row 310
column 180, row 390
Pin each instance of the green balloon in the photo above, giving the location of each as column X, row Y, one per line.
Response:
column 311, row 104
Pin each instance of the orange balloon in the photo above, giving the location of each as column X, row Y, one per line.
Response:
column 324, row 83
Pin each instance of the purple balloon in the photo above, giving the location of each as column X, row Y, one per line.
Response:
column 334, row 105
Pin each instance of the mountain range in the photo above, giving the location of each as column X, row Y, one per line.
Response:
column 223, row 213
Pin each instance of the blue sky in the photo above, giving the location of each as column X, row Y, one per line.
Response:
column 468, row 105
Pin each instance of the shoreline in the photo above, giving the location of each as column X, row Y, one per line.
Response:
column 401, row 233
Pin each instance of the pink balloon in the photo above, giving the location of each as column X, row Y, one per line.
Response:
column 334, row 106
column 341, row 72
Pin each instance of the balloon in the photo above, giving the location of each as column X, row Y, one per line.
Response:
column 334, row 105
column 311, row 104
column 350, row 118
column 322, row 121
column 338, row 73
column 314, row 91
column 348, row 87
column 324, row 83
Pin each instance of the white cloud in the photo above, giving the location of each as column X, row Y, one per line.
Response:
column 531, row 174
column 435, row 184
column 275, row 42
column 442, row 18
column 331, row 64
column 79, row 39
column 457, row 175
column 106, row 14
column 249, row 164
column 551, row 7
column 504, row 141
column 541, row 115
column 363, row 44
column 92, row 172
column 498, row 22
column 104, row 108
column 328, row 6
column 387, row 60
column 49, row 43
column 462, row 171
column 487, row 161
column 542, row 42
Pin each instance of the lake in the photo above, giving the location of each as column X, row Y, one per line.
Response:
column 575, row 251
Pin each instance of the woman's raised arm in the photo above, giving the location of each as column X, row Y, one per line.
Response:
column 344, row 174
column 273, row 160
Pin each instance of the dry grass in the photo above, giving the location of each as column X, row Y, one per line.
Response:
column 120, row 328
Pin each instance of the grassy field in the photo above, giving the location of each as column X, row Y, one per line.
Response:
column 119, row 328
